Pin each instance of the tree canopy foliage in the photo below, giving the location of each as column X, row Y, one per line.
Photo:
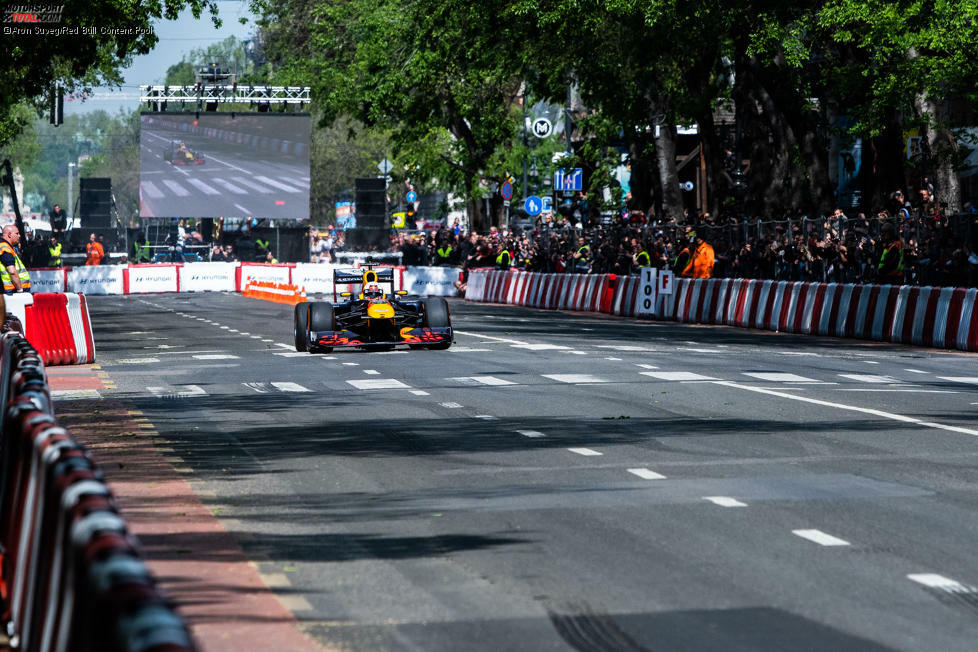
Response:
column 447, row 78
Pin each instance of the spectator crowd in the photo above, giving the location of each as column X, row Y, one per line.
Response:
column 926, row 249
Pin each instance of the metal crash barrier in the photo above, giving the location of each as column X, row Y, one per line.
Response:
column 73, row 578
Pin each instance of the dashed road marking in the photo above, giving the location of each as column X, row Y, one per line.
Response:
column 915, row 371
column 614, row 359
column 869, row 378
column 75, row 394
column 587, row 452
column 177, row 391
column 675, row 375
column 420, row 392
column 779, row 378
column 290, row 387
column 819, row 537
column 482, row 380
column 574, row 378
column 486, row 417
column 724, row 501
column 541, row 347
column 371, row 372
column 450, row 405
column 138, row 360
column 935, row 581
column 291, row 354
column 959, row 379
column 647, row 474
column 646, row 366
column 378, row 383
column 215, row 356
column 533, row 434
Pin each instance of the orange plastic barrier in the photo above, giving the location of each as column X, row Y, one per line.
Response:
column 276, row 292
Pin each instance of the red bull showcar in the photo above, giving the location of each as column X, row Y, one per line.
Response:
column 178, row 153
column 371, row 318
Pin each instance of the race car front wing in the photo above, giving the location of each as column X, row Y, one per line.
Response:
column 407, row 336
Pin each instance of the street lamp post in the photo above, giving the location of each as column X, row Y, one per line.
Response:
column 71, row 184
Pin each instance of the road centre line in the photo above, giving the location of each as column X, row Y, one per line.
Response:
column 852, row 408
column 821, row 538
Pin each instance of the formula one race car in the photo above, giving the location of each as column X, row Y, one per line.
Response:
column 372, row 318
column 179, row 154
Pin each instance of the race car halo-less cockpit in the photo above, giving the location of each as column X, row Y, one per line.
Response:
column 372, row 318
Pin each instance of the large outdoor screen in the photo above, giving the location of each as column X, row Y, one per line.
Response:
column 216, row 165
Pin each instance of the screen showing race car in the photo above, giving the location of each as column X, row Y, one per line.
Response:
column 216, row 165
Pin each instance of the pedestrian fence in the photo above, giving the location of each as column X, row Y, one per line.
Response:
column 72, row 578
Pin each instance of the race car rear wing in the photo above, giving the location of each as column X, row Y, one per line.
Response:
column 384, row 275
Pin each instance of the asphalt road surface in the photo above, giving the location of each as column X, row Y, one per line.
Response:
column 562, row 481
column 232, row 181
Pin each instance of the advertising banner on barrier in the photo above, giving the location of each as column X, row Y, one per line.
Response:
column 314, row 277
column 431, row 281
column 47, row 280
column 152, row 278
column 262, row 272
column 207, row 277
column 96, row 279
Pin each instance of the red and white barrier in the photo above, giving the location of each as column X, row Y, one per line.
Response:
column 57, row 325
column 207, row 277
column 143, row 279
column 937, row 317
column 48, row 279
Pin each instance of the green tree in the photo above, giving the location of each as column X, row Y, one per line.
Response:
column 34, row 63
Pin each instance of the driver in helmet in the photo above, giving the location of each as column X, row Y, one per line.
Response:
column 373, row 292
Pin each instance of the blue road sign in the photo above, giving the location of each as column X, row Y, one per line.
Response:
column 548, row 204
column 412, row 196
column 569, row 179
column 506, row 190
column 533, row 205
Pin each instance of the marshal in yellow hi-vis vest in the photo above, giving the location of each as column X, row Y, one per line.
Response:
column 22, row 274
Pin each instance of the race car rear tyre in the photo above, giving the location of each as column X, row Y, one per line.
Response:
column 321, row 319
column 436, row 315
column 300, row 327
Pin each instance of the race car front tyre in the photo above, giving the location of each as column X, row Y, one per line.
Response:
column 300, row 321
column 321, row 319
column 436, row 315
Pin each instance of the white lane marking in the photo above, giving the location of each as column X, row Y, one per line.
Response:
column 870, row 362
column 261, row 388
column 587, row 452
column 623, row 347
column 263, row 340
column 686, row 348
column 853, row 408
column 647, row 474
column 371, row 372
column 531, row 433
column 378, row 383
column 177, row 189
column 451, row 406
column 245, row 209
column 614, row 359
column 821, row 538
column 573, row 352
column 467, row 349
column 675, row 375
column 233, row 330
column 482, row 380
column 420, row 392
column 351, row 364
column 780, row 378
column 869, row 378
column 229, row 186
column 541, row 347
column 646, row 366
column 724, row 501
column 215, row 356
column 138, row 360
column 75, row 394
column 243, row 333
column 150, row 188
column 957, row 379
column 292, row 354
column 486, row 417
column 915, row 371
column 290, row 387
column 935, row 581
column 488, row 337
column 277, row 184
column 251, row 184
column 256, row 337
column 891, row 389
column 575, row 378
column 279, row 344
column 203, row 187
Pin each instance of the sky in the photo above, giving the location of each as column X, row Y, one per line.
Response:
column 176, row 38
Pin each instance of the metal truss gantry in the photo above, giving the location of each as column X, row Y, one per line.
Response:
column 201, row 94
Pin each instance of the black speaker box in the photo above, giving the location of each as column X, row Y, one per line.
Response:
column 95, row 202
